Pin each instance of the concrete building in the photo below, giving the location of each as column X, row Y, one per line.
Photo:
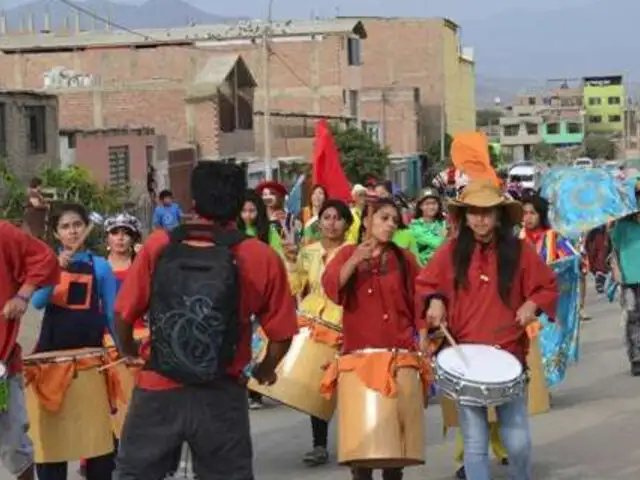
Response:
column 604, row 102
column 554, row 116
column 28, row 131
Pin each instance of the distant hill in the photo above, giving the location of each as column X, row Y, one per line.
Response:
column 151, row 14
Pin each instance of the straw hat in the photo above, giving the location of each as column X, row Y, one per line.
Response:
column 485, row 194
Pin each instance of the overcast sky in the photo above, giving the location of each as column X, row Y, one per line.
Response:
column 456, row 9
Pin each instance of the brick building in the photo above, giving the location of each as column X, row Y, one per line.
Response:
column 28, row 131
column 400, row 80
column 424, row 57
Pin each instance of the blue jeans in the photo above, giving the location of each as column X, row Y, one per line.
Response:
column 513, row 418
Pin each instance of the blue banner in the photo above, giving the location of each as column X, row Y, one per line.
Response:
column 581, row 199
column 559, row 341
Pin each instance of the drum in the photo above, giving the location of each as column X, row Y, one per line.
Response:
column 139, row 334
column 494, row 376
column 126, row 374
column 301, row 371
column 378, row 426
column 68, row 405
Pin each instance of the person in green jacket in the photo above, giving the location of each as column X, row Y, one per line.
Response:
column 254, row 222
column 403, row 237
column 429, row 227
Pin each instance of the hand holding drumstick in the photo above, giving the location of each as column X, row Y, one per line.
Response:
column 436, row 316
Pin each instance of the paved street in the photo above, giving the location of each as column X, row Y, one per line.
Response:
column 591, row 433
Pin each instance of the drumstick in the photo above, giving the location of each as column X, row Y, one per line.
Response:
column 112, row 364
column 455, row 346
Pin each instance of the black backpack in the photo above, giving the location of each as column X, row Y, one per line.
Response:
column 194, row 315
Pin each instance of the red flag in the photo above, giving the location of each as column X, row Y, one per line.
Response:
column 327, row 170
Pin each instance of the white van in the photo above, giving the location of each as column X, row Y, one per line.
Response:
column 526, row 174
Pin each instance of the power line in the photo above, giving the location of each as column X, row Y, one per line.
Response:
column 106, row 21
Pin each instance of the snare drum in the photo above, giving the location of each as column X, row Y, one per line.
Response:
column 380, row 419
column 301, row 371
column 494, row 376
column 68, row 405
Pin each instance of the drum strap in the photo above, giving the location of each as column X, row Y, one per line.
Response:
column 4, row 395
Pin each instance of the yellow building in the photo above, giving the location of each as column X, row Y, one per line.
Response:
column 604, row 103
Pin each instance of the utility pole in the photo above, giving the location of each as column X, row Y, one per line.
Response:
column 443, row 131
column 266, row 73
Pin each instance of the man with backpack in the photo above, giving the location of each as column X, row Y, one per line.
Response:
column 199, row 284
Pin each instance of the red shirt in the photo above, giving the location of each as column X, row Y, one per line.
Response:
column 23, row 260
column 378, row 306
column 120, row 276
column 264, row 291
column 476, row 314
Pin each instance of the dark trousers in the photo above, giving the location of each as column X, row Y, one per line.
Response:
column 97, row 468
column 212, row 420
column 630, row 300
column 320, row 432
column 367, row 474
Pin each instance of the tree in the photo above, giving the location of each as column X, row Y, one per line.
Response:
column 13, row 194
column 75, row 184
column 543, row 152
column 434, row 152
column 599, row 147
column 361, row 156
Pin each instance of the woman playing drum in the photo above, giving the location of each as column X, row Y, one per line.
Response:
column 76, row 312
column 489, row 286
column 305, row 271
column 374, row 283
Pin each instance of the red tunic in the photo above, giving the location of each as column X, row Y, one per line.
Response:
column 379, row 308
column 476, row 314
column 23, row 260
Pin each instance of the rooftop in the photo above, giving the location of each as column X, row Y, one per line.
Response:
column 26, row 93
column 182, row 35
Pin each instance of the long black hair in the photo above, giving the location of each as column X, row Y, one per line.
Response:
column 539, row 204
column 395, row 249
column 340, row 207
column 261, row 224
column 418, row 211
column 508, row 248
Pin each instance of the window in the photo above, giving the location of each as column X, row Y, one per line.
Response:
column 354, row 51
column 553, row 129
column 532, row 100
column 614, row 100
column 373, row 130
column 354, row 100
column 532, row 129
column 36, row 129
column 119, row 166
column 574, row 128
column 3, row 130
column 595, row 101
column 511, row 130
column 71, row 140
column 615, row 118
column 595, row 119
column 150, row 153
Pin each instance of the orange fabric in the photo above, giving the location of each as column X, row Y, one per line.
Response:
column 138, row 334
column 377, row 371
column 533, row 329
column 61, row 291
column 51, row 380
column 470, row 153
column 321, row 333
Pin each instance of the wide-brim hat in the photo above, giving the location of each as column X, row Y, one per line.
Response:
column 485, row 194
column 272, row 185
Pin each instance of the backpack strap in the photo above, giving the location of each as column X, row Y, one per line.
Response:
column 219, row 236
